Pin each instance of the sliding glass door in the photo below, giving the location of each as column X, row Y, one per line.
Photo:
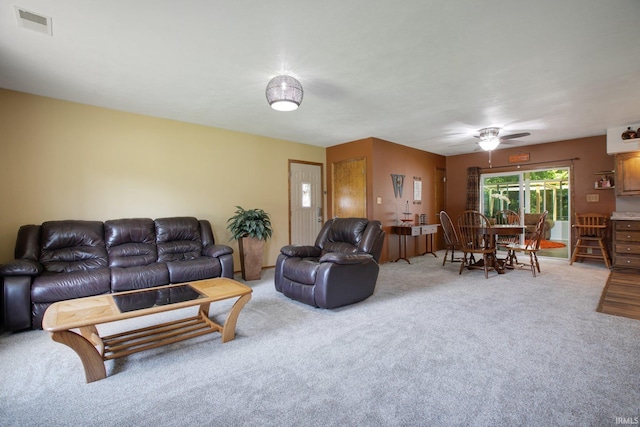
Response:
column 529, row 193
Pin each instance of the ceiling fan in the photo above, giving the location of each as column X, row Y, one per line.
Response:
column 489, row 139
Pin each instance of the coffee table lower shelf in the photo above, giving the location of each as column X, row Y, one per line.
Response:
column 130, row 342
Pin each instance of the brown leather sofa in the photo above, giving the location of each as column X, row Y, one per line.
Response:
column 530, row 221
column 61, row 260
column 340, row 269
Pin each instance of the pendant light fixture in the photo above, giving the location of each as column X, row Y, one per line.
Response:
column 284, row 93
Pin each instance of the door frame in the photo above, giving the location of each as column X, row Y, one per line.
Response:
column 523, row 191
column 323, row 192
column 440, row 201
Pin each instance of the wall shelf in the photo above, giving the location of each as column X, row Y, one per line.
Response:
column 607, row 179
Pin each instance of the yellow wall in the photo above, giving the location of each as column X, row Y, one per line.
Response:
column 63, row 160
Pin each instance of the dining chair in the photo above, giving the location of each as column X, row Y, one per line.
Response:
column 591, row 229
column 509, row 217
column 476, row 238
column 531, row 246
column 451, row 239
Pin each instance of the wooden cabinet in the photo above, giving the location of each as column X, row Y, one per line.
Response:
column 626, row 244
column 628, row 174
column 621, row 294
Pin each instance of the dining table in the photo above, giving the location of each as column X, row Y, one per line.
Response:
column 501, row 230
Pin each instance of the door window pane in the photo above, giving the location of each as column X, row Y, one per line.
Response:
column 306, row 194
column 500, row 192
column 549, row 192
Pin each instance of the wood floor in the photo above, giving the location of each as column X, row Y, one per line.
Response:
column 621, row 294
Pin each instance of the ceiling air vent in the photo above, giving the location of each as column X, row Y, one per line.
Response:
column 33, row 21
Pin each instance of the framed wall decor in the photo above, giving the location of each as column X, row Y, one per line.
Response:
column 417, row 190
column 519, row 158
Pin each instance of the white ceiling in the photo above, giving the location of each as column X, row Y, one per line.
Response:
column 426, row 74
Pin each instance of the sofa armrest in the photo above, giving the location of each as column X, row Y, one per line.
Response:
column 17, row 302
column 21, row 267
column 216, row 251
column 342, row 258
column 301, row 251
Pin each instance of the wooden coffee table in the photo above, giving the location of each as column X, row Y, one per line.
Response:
column 84, row 314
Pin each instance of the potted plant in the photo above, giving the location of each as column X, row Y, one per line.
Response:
column 251, row 228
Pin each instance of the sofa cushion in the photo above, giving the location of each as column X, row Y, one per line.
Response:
column 127, row 230
column 301, row 270
column 132, row 255
column 177, row 228
column 179, row 251
column 347, row 230
column 178, row 239
column 342, row 247
column 72, row 245
column 49, row 288
column 139, row 277
column 130, row 242
column 195, row 269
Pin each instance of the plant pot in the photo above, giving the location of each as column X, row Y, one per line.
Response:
column 251, row 250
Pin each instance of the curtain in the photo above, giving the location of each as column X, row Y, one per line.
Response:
column 473, row 188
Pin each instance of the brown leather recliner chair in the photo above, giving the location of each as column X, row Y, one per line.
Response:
column 340, row 269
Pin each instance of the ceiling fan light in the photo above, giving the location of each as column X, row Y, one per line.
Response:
column 489, row 144
column 284, row 93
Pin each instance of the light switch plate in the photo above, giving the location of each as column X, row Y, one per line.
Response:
column 593, row 197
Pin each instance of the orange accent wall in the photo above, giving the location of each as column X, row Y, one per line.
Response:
column 383, row 159
column 592, row 157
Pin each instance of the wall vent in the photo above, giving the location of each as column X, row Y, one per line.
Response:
column 34, row 21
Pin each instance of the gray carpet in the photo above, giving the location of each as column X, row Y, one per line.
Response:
column 429, row 348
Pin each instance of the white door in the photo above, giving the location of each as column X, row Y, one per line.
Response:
column 305, row 202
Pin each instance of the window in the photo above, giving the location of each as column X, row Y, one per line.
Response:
column 306, row 194
column 532, row 192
